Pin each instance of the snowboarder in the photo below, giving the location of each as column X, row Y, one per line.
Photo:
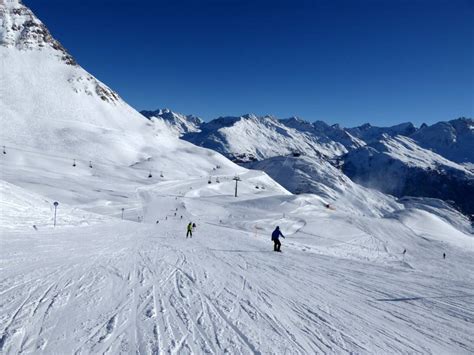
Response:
column 189, row 232
column 275, row 237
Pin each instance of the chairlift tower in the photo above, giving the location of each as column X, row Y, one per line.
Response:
column 237, row 179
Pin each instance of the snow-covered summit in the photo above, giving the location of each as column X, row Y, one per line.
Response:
column 369, row 133
column 250, row 137
column 176, row 122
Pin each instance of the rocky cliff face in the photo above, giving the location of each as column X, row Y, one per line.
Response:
column 21, row 29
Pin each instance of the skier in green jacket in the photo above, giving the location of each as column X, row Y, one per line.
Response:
column 189, row 232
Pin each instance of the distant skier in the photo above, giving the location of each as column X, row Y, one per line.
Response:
column 194, row 226
column 276, row 241
column 404, row 251
column 189, row 232
column 444, row 255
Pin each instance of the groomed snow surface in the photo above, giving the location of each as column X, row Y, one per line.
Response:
column 99, row 284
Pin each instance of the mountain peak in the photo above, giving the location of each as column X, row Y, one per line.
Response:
column 11, row 3
column 365, row 126
column 21, row 29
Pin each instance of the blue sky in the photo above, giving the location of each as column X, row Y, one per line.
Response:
column 347, row 62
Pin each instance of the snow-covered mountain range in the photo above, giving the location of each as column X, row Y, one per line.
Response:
column 408, row 156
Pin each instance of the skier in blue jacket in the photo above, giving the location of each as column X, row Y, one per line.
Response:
column 276, row 241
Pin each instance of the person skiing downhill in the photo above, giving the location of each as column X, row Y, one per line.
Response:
column 189, row 232
column 275, row 237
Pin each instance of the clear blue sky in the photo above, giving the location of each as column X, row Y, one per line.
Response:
column 349, row 62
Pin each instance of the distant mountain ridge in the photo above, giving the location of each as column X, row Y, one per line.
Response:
column 400, row 167
column 402, row 160
column 452, row 139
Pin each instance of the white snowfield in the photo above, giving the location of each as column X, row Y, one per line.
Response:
column 100, row 284
column 117, row 275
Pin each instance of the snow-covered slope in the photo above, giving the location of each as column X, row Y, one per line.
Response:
column 334, row 134
column 341, row 285
column 250, row 137
column 53, row 109
column 180, row 124
column 316, row 176
column 398, row 166
column 51, row 105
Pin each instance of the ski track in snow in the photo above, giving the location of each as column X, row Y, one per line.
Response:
column 149, row 290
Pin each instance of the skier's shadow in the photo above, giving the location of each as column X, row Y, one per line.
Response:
column 242, row 251
column 419, row 298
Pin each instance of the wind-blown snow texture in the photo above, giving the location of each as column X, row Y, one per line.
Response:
column 400, row 167
column 117, row 275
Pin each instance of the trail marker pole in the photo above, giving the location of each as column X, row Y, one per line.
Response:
column 55, row 208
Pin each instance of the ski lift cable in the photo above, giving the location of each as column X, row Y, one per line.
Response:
column 84, row 161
